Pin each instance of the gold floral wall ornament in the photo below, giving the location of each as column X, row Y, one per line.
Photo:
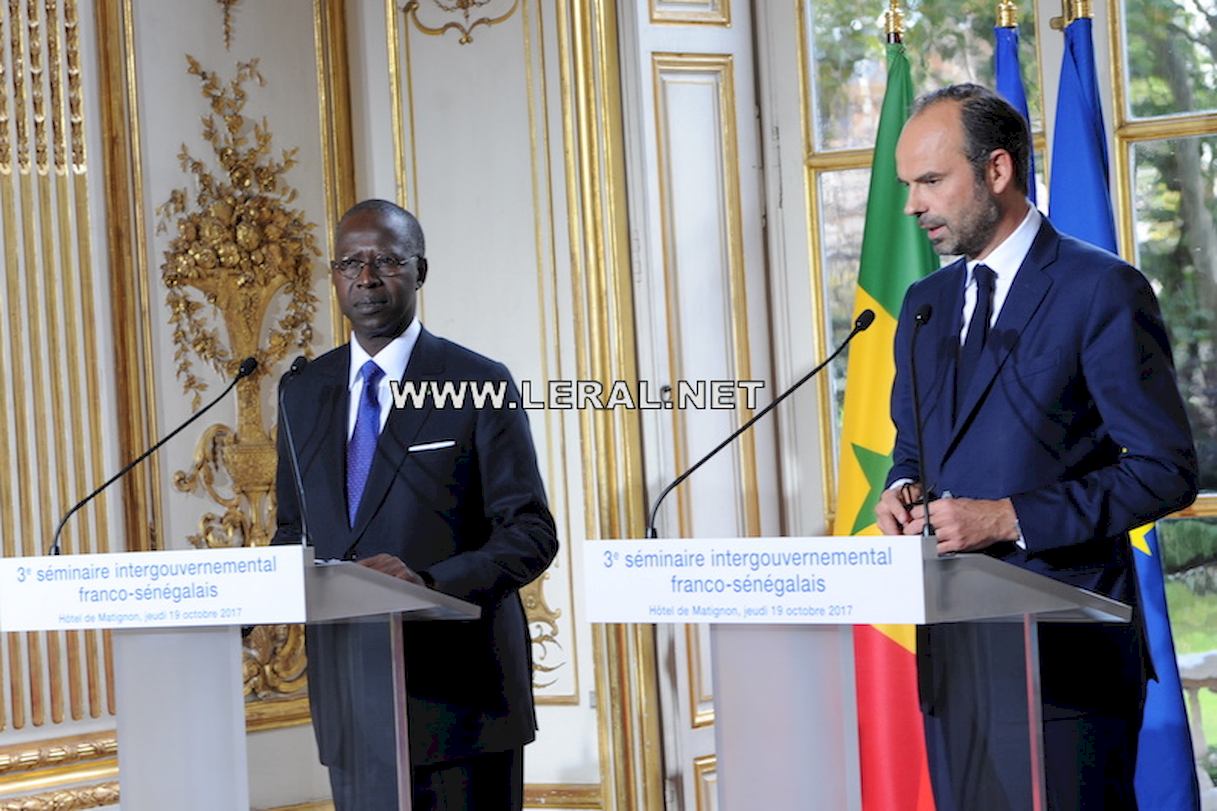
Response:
column 274, row 662
column 543, row 628
column 239, row 248
column 227, row 5
column 465, row 8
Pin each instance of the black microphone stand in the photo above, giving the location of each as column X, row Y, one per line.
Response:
column 920, row 319
column 248, row 367
column 864, row 320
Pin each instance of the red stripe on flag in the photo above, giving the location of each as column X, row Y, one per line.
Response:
column 891, row 741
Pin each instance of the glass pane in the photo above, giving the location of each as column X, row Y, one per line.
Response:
column 1189, row 559
column 946, row 42
column 1176, row 230
column 1170, row 49
column 842, row 217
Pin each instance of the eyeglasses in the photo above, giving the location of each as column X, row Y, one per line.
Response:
column 382, row 265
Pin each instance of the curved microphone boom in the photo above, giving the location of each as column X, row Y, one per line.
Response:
column 861, row 323
column 297, row 365
column 247, row 367
column 920, row 319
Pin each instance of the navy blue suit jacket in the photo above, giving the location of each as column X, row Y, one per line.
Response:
column 1074, row 414
column 472, row 516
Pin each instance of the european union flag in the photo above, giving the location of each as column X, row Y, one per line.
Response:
column 1080, row 205
column 1166, row 774
column 1010, row 84
column 1079, row 202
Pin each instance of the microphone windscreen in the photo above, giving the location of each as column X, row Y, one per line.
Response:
column 922, row 316
column 865, row 319
column 297, row 365
column 248, row 367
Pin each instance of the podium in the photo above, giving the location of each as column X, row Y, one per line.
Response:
column 785, row 730
column 179, row 688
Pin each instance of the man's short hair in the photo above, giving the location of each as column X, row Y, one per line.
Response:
column 989, row 122
column 410, row 227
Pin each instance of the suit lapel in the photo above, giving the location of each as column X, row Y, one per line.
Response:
column 426, row 363
column 334, row 445
column 941, row 353
column 1026, row 294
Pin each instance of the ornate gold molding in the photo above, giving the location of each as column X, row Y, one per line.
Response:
column 543, row 627
column 708, row 12
column 238, row 245
column 97, row 796
column 57, row 752
column 464, row 8
column 562, row 795
column 594, row 149
column 705, row 774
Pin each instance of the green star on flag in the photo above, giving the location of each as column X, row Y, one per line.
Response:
column 875, row 467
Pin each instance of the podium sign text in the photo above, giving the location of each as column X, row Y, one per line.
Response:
column 242, row 586
column 830, row 581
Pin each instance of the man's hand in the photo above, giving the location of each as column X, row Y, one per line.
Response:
column 892, row 511
column 967, row 524
column 392, row 566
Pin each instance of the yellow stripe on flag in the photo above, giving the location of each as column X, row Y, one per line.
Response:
column 1137, row 537
column 903, row 635
column 867, row 419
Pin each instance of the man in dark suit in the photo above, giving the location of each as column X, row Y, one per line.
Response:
column 1053, row 425
column 443, row 495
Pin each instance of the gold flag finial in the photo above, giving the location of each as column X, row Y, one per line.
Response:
column 1007, row 14
column 893, row 22
column 1072, row 10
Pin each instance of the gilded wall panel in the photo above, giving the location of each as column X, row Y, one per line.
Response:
column 481, row 162
column 53, row 447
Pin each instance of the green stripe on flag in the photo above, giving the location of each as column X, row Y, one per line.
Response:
column 895, row 252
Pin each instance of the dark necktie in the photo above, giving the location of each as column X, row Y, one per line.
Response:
column 362, row 445
column 978, row 332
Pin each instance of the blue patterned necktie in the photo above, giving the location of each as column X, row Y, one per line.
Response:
column 978, row 332
column 362, row 445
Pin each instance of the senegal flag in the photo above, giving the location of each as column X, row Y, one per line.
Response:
column 895, row 253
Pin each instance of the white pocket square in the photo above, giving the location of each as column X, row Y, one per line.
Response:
column 431, row 446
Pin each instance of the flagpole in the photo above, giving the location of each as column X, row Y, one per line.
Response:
column 1072, row 10
column 1007, row 14
column 893, row 22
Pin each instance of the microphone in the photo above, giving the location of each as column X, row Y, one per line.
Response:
column 863, row 321
column 297, row 365
column 920, row 319
column 247, row 368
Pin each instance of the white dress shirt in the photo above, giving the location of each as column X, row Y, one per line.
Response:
column 392, row 361
column 1004, row 261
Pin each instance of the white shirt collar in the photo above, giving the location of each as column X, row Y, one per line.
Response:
column 392, row 359
column 1007, row 258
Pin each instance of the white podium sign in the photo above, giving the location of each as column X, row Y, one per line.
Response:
column 826, row 581
column 241, row 586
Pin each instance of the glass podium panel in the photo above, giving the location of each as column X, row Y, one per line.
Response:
column 353, row 752
column 979, row 686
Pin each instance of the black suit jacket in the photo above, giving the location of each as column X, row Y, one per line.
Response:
column 471, row 516
column 1073, row 413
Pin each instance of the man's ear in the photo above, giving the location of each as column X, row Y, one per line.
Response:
column 1000, row 171
column 422, row 270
